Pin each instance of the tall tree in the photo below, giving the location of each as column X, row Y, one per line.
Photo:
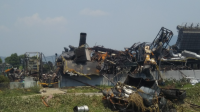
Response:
column 13, row 60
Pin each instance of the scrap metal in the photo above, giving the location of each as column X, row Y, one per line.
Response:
column 138, row 94
column 83, row 108
column 140, row 91
column 84, row 60
column 44, row 102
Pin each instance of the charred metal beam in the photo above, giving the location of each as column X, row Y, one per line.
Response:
column 82, row 39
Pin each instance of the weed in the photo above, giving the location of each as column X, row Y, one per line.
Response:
column 59, row 103
column 19, row 91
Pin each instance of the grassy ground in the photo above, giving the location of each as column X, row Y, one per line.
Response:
column 193, row 96
column 11, row 102
column 192, row 92
column 59, row 103
column 19, row 92
column 85, row 89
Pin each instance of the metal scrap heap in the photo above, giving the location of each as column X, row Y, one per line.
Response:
column 140, row 91
column 97, row 60
column 140, row 95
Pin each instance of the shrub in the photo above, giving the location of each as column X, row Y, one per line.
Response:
column 4, row 79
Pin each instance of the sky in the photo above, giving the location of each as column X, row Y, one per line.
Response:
column 48, row 26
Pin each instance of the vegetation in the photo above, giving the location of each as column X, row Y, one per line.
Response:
column 17, row 61
column 173, row 83
column 4, row 79
column 19, row 92
column 20, row 67
column 192, row 92
column 86, row 89
column 14, row 60
column 13, row 100
column 193, row 97
column 59, row 103
column 1, row 61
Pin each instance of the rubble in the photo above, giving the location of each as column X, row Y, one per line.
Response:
column 138, row 94
column 14, row 74
column 97, row 60
column 140, row 91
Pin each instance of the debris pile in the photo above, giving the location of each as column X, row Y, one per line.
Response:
column 138, row 94
column 14, row 74
column 97, row 60
column 140, row 91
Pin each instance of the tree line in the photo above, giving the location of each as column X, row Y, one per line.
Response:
column 17, row 62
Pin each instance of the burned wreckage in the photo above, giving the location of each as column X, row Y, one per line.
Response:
column 96, row 60
column 141, row 89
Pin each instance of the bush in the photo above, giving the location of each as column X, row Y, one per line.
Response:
column 173, row 83
column 35, row 89
column 4, row 79
column 20, row 67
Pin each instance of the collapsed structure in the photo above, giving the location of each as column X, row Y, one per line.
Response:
column 33, row 66
column 97, row 60
column 140, row 91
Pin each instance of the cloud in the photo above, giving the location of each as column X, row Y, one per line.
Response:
column 90, row 12
column 4, row 29
column 35, row 20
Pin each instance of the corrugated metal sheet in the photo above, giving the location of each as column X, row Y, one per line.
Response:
column 175, row 74
column 95, row 80
column 100, row 80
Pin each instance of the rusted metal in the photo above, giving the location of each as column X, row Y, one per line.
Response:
column 44, row 102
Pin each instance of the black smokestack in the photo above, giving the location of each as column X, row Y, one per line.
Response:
column 82, row 39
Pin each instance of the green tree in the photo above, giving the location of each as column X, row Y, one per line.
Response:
column 13, row 60
column 0, row 60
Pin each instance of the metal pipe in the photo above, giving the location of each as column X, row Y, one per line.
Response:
column 83, row 108
column 82, row 39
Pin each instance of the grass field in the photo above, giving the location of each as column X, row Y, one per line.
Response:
column 59, row 103
column 13, row 100
column 85, row 89
column 19, row 92
column 192, row 93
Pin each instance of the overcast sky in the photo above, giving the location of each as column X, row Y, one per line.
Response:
column 49, row 25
